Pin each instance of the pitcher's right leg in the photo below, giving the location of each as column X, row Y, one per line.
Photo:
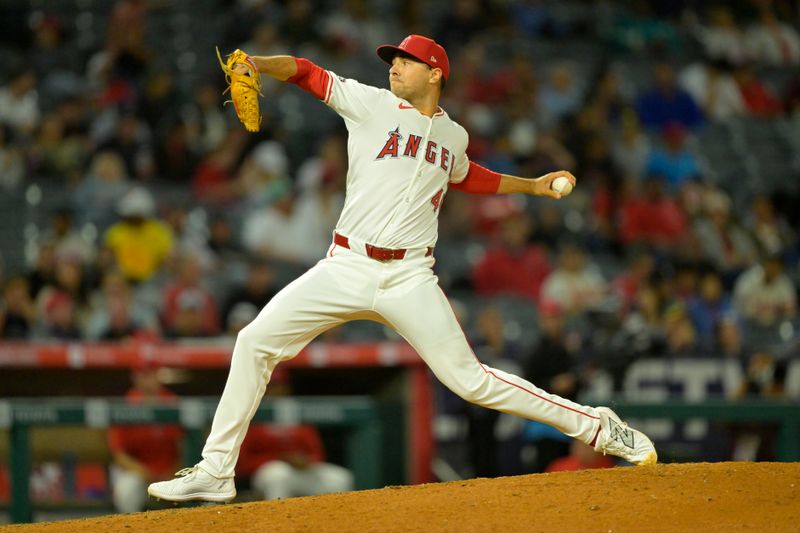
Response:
column 336, row 289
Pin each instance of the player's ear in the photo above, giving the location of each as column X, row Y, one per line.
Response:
column 436, row 76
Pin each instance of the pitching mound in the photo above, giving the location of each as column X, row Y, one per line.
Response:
column 675, row 497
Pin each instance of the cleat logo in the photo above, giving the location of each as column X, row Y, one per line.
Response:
column 621, row 433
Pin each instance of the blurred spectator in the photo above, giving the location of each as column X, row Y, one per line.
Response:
column 723, row 38
column 641, row 333
column 140, row 242
column 206, row 127
column 651, row 217
column 639, row 29
column 44, row 269
column 550, row 366
column 714, row 89
column 17, row 311
column 293, row 229
column 142, row 453
column 764, row 378
column 764, row 294
column 116, row 311
column 511, row 265
column 125, row 38
column 770, row 229
column 70, row 279
column 57, row 153
column 492, row 452
column 722, row 239
column 288, row 460
column 729, row 341
column 633, row 279
column 131, row 141
column 96, row 198
column 758, row 99
column 773, row 42
column 19, row 103
column 299, row 25
column 68, row 240
column 673, row 161
column 214, row 180
column 631, row 148
column 680, row 335
column 157, row 102
column 190, row 309
column 576, row 285
column 581, row 457
column 221, row 240
column 264, row 175
column 667, row 102
column 256, row 291
column 461, row 22
column 58, row 317
column 560, row 96
column 709, row 308
column 175, row 159
column 12, row 168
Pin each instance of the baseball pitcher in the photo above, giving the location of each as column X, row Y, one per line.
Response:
column 405, row 154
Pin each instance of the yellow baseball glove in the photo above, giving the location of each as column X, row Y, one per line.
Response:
column 245, row 88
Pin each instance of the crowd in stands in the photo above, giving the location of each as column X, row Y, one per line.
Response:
column 680, row 259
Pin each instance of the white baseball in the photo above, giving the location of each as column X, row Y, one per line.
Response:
column 561, row 185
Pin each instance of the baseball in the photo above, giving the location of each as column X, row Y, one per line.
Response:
column 562, row 185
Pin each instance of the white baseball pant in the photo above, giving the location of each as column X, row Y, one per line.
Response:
column 404, row 295
column 128, row 490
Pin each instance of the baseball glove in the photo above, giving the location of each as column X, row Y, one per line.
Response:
column 245, row 88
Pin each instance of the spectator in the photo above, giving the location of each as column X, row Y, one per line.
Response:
column 190, row 309
column 714, row 89
column 758, row 99
column 512, row 265
column 17, row 311
column 68, row 240
column 492, row 453
column 131, row 141
column 770, row 229
column 142, row 453
column 206, row 127
column 729, row 341
column 19, row 102
column 722, row 39
column 631, row 148
column 117, row 312
column 651, row 218
column 264, row 175
column 44, row 270
column 673, row 162
column 709, row 308
column 642, row 331
column 258, row 289
column 581, row 457
column 288, row 460
column 576, row 285
column 773, row 42
column 550, row 366
column 764, row 294
column 140, row 242
column 12, row 168
column 58, row 317
column 680, row 335
column 729, row 248
column 667, row 102
column 560, row 96
column 214, row 180
column 57, row 152
column 292, row 229
column 634, row 278
column 97, row 196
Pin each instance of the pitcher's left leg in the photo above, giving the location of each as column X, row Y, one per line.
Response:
column 423, row 316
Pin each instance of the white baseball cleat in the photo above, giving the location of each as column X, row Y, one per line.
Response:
column 616, row 438
column 194, row 484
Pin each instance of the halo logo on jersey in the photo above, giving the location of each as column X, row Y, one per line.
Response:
column 434, row 154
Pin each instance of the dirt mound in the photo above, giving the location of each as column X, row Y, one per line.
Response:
column 674, row 497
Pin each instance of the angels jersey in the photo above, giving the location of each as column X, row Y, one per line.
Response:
column 400, row 162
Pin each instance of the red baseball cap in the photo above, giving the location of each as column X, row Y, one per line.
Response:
column 421, row 48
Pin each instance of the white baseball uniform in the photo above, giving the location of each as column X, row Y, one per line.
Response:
column 400, row 165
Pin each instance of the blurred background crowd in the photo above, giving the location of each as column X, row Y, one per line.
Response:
column 133, row 204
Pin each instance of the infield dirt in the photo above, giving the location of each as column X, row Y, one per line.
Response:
column 672, row 497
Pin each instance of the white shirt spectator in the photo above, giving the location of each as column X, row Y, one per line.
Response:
column 765, row 301
column 715, row 91
column 21, row 112
column 575, row 291
column 775, row 44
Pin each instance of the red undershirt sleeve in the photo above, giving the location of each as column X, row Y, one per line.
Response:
column 479, row 180
column 312, row 78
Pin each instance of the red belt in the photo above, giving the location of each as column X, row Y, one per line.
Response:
column 379, row 254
